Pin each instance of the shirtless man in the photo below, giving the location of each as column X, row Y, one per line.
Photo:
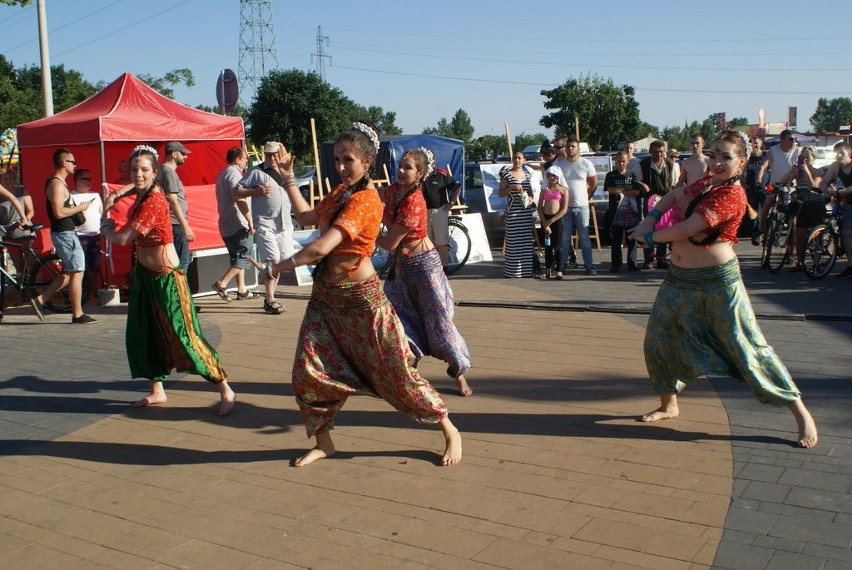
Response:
column 695, row 167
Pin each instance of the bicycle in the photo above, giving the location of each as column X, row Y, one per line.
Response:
column 777, row 242
column 823, row 244
column 37, row 272
column 458, row 249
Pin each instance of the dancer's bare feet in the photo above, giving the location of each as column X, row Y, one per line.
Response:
column 808, row 436
column 668, row 409
column 453, row 451
column 464, row 389
column 227, row 399
column 150, row 400
column 157, row 397
column 323, row 450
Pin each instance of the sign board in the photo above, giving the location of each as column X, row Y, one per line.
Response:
column 301, row 238
column 227, row 91
column 480, row 249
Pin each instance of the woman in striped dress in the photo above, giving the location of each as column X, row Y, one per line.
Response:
column 515, row 187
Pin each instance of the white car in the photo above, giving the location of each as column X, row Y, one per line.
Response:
column 825, row 155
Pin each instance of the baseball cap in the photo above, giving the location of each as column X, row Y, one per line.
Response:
column 270, row 148
column 175, row 146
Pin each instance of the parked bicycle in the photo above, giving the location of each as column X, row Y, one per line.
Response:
column 778, row 232
column 36, row 273
column 823, row 244
column 458, row 251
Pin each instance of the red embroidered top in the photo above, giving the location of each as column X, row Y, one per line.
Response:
column 409, row 213
column 359, row 220
column 723, row 208
column 151, row 219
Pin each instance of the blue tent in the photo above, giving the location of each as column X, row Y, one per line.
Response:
column 448, row 152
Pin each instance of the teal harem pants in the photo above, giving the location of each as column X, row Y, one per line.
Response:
column 352, row 342
column 702, row 324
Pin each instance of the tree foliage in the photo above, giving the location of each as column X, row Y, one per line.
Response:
column 607, row 113
column 287, row 100
column 830, row 114
column 163, row 85
column 21, row 99
column 21, row 3
column 459, row 127
column 486, row 147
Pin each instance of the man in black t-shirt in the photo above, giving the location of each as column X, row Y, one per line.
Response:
column 440, row 191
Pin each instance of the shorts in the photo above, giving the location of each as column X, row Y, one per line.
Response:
column 69, row 250
column 272, row 245
column 812, row 214
column 438, row 227
column 239, row 246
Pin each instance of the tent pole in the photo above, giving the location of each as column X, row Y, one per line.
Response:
column 104, row 191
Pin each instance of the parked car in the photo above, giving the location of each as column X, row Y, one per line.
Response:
column 532, row 152
column 304, row 182
column 825, row 155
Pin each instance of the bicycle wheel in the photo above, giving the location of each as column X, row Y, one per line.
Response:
column 820, row 252
column 458, row 250
column 44, row 271
column 777, row 250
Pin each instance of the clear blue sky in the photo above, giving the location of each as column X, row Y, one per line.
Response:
column 425, row 60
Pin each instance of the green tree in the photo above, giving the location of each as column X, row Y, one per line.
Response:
column 607, row 113
column 486, row 147
column 830, row 114
column 21, row 3
column 524, row 140
column 738, row 122
column 21, row 92
column 459, row 127
column 384, row 121
column 163, row 85
column 285, row 103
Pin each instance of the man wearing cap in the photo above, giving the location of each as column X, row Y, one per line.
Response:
column 175, row 155
column 270, row 212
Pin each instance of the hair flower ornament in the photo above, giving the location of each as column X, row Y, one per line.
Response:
column 368, row 130
column 430, row 160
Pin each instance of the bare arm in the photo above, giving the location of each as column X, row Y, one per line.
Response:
column 313, row 252
column 124, row 237
column 592, row 182
column 56, row 196
column 15, row 204
column 762, row 170
column 176, row 210
column 243, row 207
column 395, row 235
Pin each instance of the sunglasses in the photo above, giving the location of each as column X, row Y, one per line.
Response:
column 557, row 147
column 72, row 161
column 789, row 139
column 89, row 179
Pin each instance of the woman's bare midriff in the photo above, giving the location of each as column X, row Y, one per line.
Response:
column 337, row 269
column 550, row 207
column 689, row 256
column 158, row 256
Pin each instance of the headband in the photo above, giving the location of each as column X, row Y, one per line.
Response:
column 145, row 148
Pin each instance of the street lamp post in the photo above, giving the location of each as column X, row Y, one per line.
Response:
column 46, row 83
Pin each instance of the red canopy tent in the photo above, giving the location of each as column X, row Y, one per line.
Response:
column 103, row 129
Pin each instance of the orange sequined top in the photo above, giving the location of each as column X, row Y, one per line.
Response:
column 359, row 219
column 150, row 218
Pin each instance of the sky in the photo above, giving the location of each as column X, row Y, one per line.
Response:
column 426, row 60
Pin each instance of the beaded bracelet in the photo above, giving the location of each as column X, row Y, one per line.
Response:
column 656, row 214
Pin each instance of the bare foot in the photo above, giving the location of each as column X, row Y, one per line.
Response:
column 668, row 409
column 464, row 389
column 323, row 450
column 808, row 436
column 227, row 403
column 150, row 400
column 453, row 451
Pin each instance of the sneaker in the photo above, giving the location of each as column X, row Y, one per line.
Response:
column 847, row 273
column 755, row 238
column 38, row 308
column 591, row 271
column 83, row 319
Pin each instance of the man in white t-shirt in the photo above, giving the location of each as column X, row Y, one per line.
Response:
column 89, row 232
column 582, row 180
column 780, row 159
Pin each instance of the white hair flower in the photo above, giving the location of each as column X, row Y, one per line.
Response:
column 368, row 130
column 430, row 160
column 146, row 148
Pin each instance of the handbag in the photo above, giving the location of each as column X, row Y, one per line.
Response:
column 79, row 218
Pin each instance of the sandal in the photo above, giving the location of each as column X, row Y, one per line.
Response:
column 273, row 308
column 558, row 277
column 221, row 291
column 247, row 294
